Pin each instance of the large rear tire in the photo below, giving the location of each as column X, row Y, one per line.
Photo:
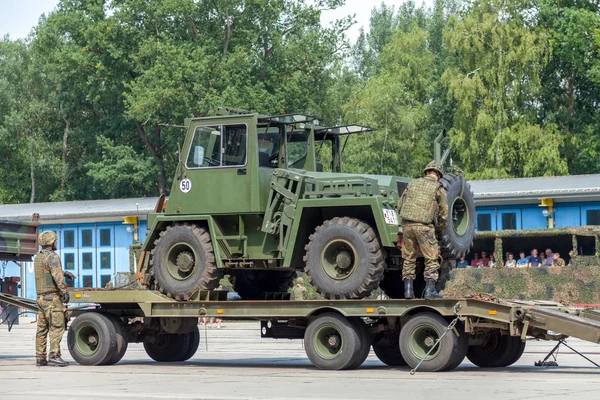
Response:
column 457, row 239
column 194, row 342
column 252, row 285
column 344, row 259
column 183, row 261
column 498, row 351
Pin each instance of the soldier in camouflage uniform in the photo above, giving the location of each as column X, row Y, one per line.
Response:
column 423, row 205
column 557, row 261
column 299, row 292
column 51, row 291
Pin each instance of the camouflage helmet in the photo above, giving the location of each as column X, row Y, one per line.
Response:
column 434, row 166
column 299, row 280
column 47, row 238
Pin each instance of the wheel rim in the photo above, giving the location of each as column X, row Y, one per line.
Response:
column 328, row 342
column 338, row 259
column 460, row 217
column 181, row 261
column 490, row 345
column 87, row 340
column 422, row 339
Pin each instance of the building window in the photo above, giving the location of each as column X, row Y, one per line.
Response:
column 69, row 261
column 69, row 238
column 105, row 260
column 86, row 238
column 593, row 217
column 104, row 237
column 88, row 281
column 484, row 222
column 104, row 279
column 87, row 261
column 509, row 221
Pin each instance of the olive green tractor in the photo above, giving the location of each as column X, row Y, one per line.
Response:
column 261, row 198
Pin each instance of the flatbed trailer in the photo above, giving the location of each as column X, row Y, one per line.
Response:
column 435, row 335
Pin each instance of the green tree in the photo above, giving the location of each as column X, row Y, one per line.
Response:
column 495, row 88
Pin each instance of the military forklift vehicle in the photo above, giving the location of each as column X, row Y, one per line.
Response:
column 252, row 198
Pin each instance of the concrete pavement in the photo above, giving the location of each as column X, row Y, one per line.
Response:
column 234, row 363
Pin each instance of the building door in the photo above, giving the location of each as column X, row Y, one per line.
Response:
column 486, row 221
column 509, row 219
column 105, row 255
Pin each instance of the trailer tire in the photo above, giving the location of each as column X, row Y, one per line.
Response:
column 499, row 351
column 386, row 347
column 344, row 259
column 365, row 342
column 332, row 342
column 183, row 261
column 168, row 347
column 194, row 342
column 252, row 285
column 92, row 339
column 418, row 335
column 463, row 347
column 122, row 340
column 457, row 239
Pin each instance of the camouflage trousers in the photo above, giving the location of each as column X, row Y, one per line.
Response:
column 51, row 323
column 420, row 238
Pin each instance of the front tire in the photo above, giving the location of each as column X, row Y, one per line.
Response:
column 92, row 339
column 332, row 342
column 183, row 261
column 344, row 259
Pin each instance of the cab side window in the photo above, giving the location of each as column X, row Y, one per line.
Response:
column 216, row 146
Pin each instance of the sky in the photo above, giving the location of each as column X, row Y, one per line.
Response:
column 18, row 17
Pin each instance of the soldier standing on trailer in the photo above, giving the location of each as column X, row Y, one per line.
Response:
column 51, row 292
column 299, row 292
column 422, row 206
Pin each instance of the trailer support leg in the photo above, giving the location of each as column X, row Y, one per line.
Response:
column 554, row 352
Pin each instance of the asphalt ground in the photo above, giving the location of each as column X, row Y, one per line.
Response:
column 234, row 363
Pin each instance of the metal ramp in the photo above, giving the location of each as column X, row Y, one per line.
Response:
column 585, row 325
column 19, row 302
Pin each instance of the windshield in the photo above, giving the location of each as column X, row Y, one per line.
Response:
column 297, row 142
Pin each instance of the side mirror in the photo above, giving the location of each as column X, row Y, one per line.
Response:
column 198, row 155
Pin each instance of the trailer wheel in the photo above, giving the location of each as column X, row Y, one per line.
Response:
column 168, row 347
column 497, row 352
column 365, row 343
column 332, row 342
column 92, row 339
column 386, row 347
column 252, row 285
column 344, row 259
column 194, row 342
column 457, row 239
column 418, row 336
column 183, row 261
column 122, row 340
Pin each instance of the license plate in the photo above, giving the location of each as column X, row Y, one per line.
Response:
column 390, row 217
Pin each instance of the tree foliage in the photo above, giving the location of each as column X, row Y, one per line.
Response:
column 91, row 100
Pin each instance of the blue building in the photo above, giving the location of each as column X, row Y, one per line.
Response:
column 95, row 236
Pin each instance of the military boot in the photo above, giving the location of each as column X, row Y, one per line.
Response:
column 41, row 363
column 57, row 362
column 408, row 289
column 430, row 292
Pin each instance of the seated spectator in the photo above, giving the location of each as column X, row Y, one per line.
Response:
column 557, row 261
column 510, row 261
column 485, row 259
column 549, row 259
column 462, row 263
column 476, row 261
column 535, row 260
column 522, row 262
column 492, row 263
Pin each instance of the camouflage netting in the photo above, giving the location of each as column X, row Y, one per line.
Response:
column 567, row 285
